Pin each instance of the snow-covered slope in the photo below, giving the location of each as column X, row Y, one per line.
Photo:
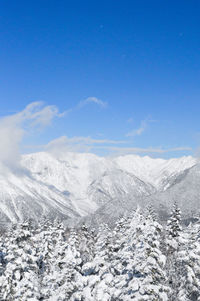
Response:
column 71, row 175
column 24, row 197
column 117, row 183
column 76, row 185
column 184, row 190
column 155, row 171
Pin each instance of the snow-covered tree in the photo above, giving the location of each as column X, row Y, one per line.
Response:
column 20, row 278
column 95, row 272
column 137, row 260
column 189, row 256
column 64, row 278
column 146, row 268
column 174, row 244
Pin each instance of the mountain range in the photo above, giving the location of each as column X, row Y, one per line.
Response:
column 82, row 185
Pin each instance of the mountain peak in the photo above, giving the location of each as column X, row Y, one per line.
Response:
column 77, row 184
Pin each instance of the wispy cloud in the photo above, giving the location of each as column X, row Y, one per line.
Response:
column 149, row 149
column 90, row 100
column 36, row 115
column 15, row 126
column 117, row 150
column 64, row 144
column 140, row 130
column 93, row 100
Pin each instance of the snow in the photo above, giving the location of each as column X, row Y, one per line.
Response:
column 154, row 171
column 133, row 261
column 78, row 184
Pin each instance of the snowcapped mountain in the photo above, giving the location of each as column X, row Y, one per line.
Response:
column 23, row 197
column 155, row 171
column 76, row 185
column 184, row 190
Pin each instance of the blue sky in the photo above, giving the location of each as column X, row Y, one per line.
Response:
column 126, row 74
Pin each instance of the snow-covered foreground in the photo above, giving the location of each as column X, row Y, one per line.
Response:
column 137, row 260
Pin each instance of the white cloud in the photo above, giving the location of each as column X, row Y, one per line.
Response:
column 14, row 127
column 137, row 150
column 143, row 126
column 94, row 100
column 36, row 115
column 153, row 150
column 83, row 103
column 64, row 144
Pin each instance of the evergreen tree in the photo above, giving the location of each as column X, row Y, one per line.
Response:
column 148, row 281
column 67, row 268
column 137, row 260
column 190, row 258
column 20, row 278
column 96, row 271
column 174, row 244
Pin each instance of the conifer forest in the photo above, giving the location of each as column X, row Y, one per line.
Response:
column 137, row 259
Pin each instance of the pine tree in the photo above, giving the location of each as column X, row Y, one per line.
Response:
column 190, row 258
column 45, row 240
column 20, row 281
column 137, row 260
column 151, row 213
column 3, row 262
column 174, row 244
column 86, row 239
column 96, row 272
column 148, row 281
column 66, row 267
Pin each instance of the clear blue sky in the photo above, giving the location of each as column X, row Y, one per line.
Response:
column 140, row 57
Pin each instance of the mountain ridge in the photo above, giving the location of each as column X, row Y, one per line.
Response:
column 76, row 185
